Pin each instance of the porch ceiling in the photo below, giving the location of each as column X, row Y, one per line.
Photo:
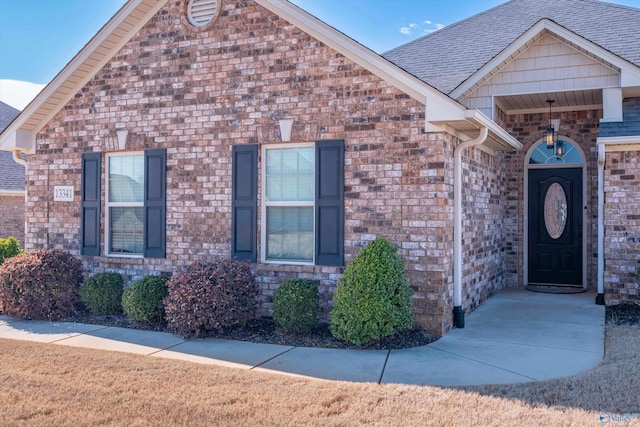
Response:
column 537, row 102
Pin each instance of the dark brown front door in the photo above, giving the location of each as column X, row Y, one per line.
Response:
column 555, row 227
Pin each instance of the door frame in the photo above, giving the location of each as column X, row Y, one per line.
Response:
column 527, row 166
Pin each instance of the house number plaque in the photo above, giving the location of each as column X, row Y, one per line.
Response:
column 63, row 193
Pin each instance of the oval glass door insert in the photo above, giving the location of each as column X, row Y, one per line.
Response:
column 555, row 210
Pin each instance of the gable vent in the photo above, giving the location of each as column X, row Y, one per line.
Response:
column 201, row 12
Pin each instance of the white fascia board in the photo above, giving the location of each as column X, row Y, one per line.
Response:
column 18, row 139
column 495, row 131
column 630, row 74
column 445, row 108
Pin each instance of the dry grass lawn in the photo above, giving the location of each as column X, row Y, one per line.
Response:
column 50, row 385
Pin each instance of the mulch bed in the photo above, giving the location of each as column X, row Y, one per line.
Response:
column 623, row 314
column 264, row 330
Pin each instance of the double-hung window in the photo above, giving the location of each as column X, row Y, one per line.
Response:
column 125, row 204
column 288, row 201
column 134, row 221
column 302, row 203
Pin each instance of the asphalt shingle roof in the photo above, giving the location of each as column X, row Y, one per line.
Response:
column 446, row 58
column 11, row 173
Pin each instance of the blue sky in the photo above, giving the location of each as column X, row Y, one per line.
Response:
column 39, row 37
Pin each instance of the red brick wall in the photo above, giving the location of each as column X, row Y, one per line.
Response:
column 622, row 227
column 484, row 230
column 12, row 217
column 199, row 91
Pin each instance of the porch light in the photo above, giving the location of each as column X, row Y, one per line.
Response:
column 551, row 136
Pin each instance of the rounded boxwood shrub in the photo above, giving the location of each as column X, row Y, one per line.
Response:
column 9, row 247
column 143, row 299
column 373, row 297
column 210, row 296
column 40, row 284
column 101, row 294
column 295, row 305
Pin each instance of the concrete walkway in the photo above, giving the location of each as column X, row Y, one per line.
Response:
column 516, row 336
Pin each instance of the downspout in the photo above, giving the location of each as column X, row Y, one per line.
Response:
column 17, row 157
column 458, row 314
column 601, row 163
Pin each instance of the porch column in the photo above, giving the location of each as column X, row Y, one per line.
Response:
column 611, row 104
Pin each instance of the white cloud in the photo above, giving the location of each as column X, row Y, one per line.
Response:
column 408, row 29
column 426, row 27
column 18, row 94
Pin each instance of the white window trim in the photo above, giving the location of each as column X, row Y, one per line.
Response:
column 265, row 204
column 109, row 205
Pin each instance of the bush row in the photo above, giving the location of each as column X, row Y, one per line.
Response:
column 372, row 300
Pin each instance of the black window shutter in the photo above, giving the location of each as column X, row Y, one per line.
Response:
column 155, row 203
column 244, row 204
column 90, row 203
column 330, row 202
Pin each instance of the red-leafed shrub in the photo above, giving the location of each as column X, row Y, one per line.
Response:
column 41, row 284
column 210, row 296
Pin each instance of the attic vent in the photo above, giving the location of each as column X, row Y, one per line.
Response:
column 201, row 12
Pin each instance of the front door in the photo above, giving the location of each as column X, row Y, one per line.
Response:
column 555, row 227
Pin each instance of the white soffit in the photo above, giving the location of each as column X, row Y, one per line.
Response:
column 629, row 73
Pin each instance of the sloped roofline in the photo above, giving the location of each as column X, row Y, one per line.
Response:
column 21, row 133
column 629, row 73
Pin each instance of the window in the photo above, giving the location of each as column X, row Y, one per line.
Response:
column 135, row 215
column 288, row 199
column 125, row 204
column 546, row 156
column 302, row 220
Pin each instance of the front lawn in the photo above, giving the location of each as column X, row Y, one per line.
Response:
column 45, row 384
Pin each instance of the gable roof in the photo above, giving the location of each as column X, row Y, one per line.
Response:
column 11, row 173
column 448, row 57
column 136, row 13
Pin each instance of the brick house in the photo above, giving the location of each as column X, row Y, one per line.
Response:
column 12, row 190
column 199, row 128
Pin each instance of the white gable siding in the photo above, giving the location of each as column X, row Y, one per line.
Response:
column 548, row 65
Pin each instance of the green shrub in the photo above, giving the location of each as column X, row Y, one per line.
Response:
column 373, row 298
column 143, row 299
column 101, row 294
column 210, row 296
column 9, row 247
column 41, row 284
column 295, row 305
